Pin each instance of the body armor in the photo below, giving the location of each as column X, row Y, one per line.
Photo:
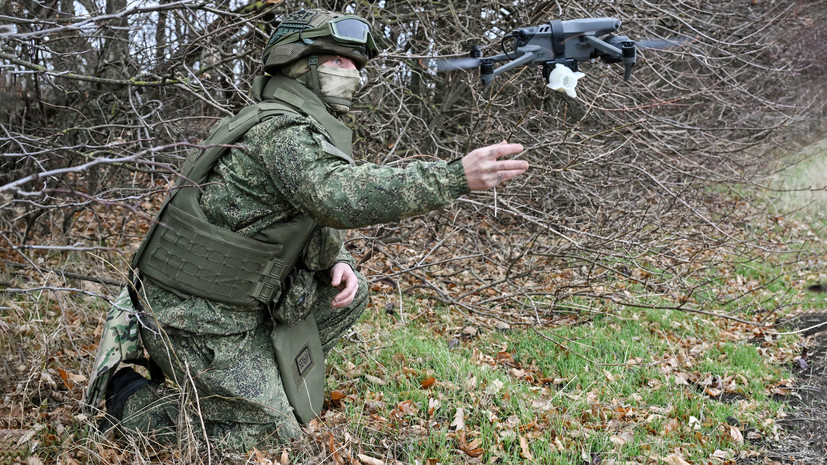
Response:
column 184, row 253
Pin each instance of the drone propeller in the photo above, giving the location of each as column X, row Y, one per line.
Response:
column 661, row 44
column 450, row 64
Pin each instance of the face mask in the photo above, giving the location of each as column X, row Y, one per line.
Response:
column 338, row 86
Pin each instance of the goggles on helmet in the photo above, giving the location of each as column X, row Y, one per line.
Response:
column 350, row 29
column 345, row 30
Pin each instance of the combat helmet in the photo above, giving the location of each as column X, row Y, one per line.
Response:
column 319, row 32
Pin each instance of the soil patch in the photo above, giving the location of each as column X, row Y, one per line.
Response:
column 805, row 427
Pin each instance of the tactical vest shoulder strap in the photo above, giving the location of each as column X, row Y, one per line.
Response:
column 228, row 131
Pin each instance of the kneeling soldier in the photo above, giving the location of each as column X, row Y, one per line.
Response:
column 244, row 282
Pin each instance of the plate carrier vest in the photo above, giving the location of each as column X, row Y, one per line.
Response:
column 183, row 252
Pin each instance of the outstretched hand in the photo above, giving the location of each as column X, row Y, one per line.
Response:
column 484, row 170
column 343, row 278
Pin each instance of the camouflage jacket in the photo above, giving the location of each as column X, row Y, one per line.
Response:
column 281, row 171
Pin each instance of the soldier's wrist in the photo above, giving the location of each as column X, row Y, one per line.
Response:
column 458, row 182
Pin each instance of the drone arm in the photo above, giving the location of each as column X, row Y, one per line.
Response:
column 525, row 58
column 610, row 50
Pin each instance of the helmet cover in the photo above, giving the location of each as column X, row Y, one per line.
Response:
column 313, row 32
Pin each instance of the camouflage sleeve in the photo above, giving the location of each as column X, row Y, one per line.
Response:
column 346, row 196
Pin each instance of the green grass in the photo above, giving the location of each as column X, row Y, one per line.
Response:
column 607, row 387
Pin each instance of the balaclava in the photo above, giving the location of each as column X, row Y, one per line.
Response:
column 335, row 86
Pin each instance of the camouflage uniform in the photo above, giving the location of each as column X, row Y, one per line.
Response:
column 224, row 351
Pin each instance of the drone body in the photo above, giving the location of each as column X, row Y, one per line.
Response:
column 557, row 42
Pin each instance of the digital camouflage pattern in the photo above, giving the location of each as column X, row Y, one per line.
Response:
column 236, row 378
column 224, row 350
column 298, row 297
column 120, row 341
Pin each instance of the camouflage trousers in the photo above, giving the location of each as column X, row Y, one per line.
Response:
column 229, row 387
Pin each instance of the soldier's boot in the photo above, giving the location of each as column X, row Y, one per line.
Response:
column 137, row 405
column 123, row 384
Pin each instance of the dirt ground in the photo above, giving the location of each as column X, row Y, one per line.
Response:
column 805, row 427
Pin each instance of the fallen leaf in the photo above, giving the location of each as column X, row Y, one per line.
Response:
column 459, row 420
column 374, row 406
column 407, row 407
column 542, row 404
column 367, row 460
column 65, row 377
column 781, row 391
column 633, row 361
column 672, row 426
column 525, row 452
column 506, row 359
column 528, row 426
column 622, row 438
column 495, row 387
column 720, row 455
column 259, row 458
column 375, row 380
column 681, row 379
column 427, row 383
column 336, row 395
column 754, row 435
column 675, row 459
column 736, row 435
column 334, row 450
column 713, row 392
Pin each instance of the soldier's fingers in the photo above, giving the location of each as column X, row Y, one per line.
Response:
column 336, row 276
column 345, row 297
column 506, row 175
column 503, row 149
column 511, row 165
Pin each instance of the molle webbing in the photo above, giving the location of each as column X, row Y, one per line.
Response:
column 184, row 252
column 217, row 263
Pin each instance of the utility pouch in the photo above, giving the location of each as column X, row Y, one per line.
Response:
column 301, row 366
column 298, row 295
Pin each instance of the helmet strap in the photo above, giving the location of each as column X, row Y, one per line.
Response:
column 315, row 84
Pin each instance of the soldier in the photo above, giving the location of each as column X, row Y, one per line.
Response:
column 247, row 281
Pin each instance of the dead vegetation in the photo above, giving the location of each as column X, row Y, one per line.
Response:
column 101, row 100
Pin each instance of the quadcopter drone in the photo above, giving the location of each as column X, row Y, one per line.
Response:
column 559, row 46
